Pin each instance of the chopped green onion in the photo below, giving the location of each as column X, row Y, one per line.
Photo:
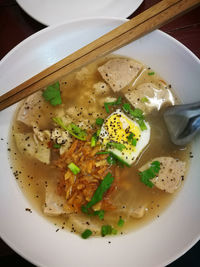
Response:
column 114, row 231
column 106, row 107
column 102, row 152
column 126, row 107
column 111, row 160
column 75, row 169
column 87, row 233
column 99, row 121
column 142, row 124
column 120, row 161
column 99, row 213
column 120, row 222
column 52, row 94
column 106, row 230
column 151, row 73
column 98, row 194
column 56, row 146
column 137, row 113
column 150, row 173
column 119, row 101
column 118, row 146
column 144, row 99
column 98, row 132
column 77, row 132
column 94, row 140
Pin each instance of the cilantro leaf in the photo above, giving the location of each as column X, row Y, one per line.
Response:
column 72, row 128
column 132, row 140
column 52, row 94
column 98, row 194
column 150, row 173
column 111, row 160
column 137, row 114
column 60, row 123
column 114, row 103
column 76, row 131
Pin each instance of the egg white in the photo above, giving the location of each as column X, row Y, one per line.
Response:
column 128, row 156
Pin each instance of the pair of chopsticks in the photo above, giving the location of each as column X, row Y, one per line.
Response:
column 149, row 20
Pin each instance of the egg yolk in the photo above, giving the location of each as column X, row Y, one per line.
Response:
column 119, row 129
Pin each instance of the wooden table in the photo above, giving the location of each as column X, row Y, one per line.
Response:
column 16, row 25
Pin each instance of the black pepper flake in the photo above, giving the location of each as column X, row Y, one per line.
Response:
column 29, row 210
column 109, row 242
column 57, row 230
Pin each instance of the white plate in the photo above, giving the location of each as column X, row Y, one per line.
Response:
column 31, row 235
column 50, row 12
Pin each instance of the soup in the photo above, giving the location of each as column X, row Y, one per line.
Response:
column 92, row 153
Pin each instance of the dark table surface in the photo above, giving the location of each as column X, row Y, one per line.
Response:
column 16, row 25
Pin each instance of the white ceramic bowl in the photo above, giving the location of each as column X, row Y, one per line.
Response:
column 158, row 243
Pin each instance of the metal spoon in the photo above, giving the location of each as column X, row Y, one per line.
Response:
column 183, row 122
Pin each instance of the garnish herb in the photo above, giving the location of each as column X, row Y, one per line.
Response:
column 108, row 230
column 111, row 160
column 132, row 140
column 102, row 152
column 99, row 121
column 87, row 233
column 56, row 146
column 72, row 128
column 75, row 169
column 114, row 231
column 60, row 123
column 77, row 132
column 118, row 146
column 144, row 99
column 120, row 162
column 150, row 173
column 98, row 194
column 52, row 94
column 120, row 222
column 99, row 213
column 142, row 124
column 151, row 73
column 114, row 103
column 94, row 140
column 136, row 113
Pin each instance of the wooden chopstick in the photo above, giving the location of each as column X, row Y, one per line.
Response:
column 149, row 20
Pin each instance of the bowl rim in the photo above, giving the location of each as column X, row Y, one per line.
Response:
column 52, row 27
